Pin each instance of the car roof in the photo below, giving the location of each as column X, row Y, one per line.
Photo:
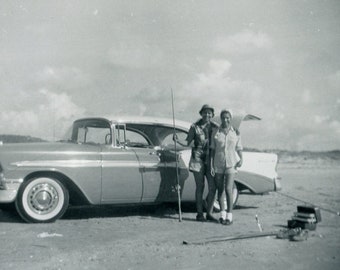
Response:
column 152, row 120
column 236, row 121
column 142, row 120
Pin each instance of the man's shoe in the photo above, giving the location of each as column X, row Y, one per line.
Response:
column 200, row 218
column 211, row 218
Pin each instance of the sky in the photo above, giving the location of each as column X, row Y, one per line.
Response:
column 276, row 59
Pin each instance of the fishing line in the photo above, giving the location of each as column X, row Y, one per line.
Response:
column 308, row 203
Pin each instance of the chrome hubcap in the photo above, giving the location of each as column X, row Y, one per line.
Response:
column 43, row 198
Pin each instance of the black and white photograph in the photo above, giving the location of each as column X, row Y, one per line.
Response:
column 183, row 134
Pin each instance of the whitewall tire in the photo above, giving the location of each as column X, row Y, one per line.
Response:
column 42, row 199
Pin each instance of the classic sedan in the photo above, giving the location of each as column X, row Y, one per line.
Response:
column 122, row 161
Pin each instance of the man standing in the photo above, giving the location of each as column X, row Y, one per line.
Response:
column 199, row 138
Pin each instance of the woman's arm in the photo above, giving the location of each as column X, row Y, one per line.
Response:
column 239, row 149
column 239, row 163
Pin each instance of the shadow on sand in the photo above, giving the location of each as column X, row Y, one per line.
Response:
column 9, row 214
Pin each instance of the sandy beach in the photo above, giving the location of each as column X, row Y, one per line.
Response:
column 152, row 237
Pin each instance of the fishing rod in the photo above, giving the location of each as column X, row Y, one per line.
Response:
column 178, row 188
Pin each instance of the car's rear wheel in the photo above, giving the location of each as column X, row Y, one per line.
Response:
column 235, row 198
column 42, row 199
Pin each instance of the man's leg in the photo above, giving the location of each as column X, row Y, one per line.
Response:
column 199, row 180
column 211, row 195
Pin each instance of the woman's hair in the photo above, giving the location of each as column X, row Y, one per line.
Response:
column 226, row 111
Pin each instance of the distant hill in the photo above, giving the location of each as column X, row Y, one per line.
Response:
column 284, row 155
column 293, row 156
column 331, row 155
column 7, row 138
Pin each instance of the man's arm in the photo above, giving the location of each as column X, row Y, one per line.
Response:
column 183, row 142
column 189, row 140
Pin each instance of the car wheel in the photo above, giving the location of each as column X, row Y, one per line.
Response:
column 42, row 199
column 235, row 198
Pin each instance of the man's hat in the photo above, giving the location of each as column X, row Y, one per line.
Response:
column 206, row 107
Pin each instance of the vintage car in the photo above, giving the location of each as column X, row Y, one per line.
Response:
column 123, row 161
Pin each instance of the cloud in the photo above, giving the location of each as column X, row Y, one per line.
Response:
column 306, row 96
column 321, row 119
column 216, row 86
column 244, row 42
column 335, row 125
column 334, row 79
column 67, row 77
column 47, row 117
column 147, row 101
column 135, row 53
column 61, row 105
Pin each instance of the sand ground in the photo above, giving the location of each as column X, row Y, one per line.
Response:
column 151, row 237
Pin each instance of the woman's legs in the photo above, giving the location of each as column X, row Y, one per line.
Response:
column 229, row 193
column 219, row 178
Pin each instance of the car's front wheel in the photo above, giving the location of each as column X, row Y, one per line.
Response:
column 42, row 199
column 235, row 198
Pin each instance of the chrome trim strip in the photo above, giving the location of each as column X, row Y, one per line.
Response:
column 58, row 163
column 83, row 163
column 13, row 181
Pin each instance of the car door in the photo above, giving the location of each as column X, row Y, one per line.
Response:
column 121, row 172
column 121, row 177
column 150, row 168
column 149, row 162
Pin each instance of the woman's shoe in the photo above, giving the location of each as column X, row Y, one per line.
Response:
column 228, row 222
column 223, row 221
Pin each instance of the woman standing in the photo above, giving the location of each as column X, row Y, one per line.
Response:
column 199, row 138
column 226, row 158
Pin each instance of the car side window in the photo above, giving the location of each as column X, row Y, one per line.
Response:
column 92, row 135
column 168, row 140
column 133, row 139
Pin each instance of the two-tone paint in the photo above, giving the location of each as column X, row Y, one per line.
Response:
column 115, row 172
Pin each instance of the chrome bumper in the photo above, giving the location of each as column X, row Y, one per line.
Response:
column 8, row 189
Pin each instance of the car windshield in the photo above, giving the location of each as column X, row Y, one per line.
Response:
column 89, row 131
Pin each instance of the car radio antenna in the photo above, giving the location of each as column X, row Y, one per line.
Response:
column 178, row 187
